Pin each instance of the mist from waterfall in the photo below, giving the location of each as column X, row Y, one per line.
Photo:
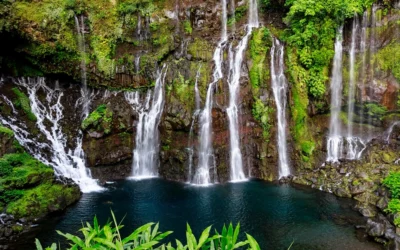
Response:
column 235, row 67
column 279, row 87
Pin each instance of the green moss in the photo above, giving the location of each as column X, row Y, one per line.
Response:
column 259, row 46
column 187, row 27
column 201, row 49
column 307, row 147
column 99, row 119
column 300, row 131
column 23, row 103
column 388, row 59
column 20, row 170
column 42, row 199
column 183, row 90
column 6, row 131
column 240, row 12
column 262, row 113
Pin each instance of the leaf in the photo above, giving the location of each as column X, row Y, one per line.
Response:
column 135, row 233
column 236, row 233
column 105, row 242
column 154, row 233
column 203, row 237
column 108, row 233
column 75, row 239
column 252, row 242
column 38, row 245
column 162, row 235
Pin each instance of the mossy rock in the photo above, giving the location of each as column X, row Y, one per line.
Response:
column 99, row 120
column 23, row 103
column 43, row 199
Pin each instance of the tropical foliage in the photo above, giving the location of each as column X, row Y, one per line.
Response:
column 148, row 236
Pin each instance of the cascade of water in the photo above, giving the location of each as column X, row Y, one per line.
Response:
column 279, row 86
column 363, row 47
column 146, row 154
column 137, row 64
column 139, row 27
column 80, row 29
column 236, row 161
column 371, row 70
column 202, row 175
column 390, row 130
column 334, row 143
column 195, row 114
column 351, row 140
column 49, row 115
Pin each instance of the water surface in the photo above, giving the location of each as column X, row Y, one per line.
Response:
column 276, row 215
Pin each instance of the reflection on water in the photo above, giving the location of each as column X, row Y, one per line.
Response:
column 276, row 215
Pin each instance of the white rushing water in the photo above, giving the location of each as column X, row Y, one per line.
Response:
column 80, row 29
column 50, row 112
column 390, row 130
column 335, row 142
column 279, row 87
column 236, row 59
column 206, row 151
column 194, row 117
column 147, row 141
column 352, row 141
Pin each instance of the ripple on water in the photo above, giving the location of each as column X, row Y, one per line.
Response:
column 276, row 215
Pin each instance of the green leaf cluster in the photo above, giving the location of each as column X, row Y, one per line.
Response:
column 312, row 26
column 392, row 182
column 149, row 237
column 99, row 119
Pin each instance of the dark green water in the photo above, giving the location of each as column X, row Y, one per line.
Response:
column 275, row 215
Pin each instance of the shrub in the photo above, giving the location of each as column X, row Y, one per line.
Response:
column 392, row 181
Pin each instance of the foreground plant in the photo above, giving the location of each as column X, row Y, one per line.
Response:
column 148, row 237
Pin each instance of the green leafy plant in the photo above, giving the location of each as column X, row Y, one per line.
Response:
column 148, row 237
column 392, row 181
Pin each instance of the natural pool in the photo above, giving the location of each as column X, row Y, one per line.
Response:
column 276, row 215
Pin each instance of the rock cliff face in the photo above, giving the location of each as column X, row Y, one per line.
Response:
column 124, row 49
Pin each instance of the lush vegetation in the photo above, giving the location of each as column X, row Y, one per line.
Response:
column 99, row 119
column 148, row 237
column 262, row 113
column 312, row 30
column 6, row 131
column 28, row 188
column 392, row 182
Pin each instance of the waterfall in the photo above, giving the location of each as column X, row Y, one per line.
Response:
column 390, row 130
column 49, row 113
column 80, row 29
column 351, row 140
column 137, row 64
column 279, row 87
column 334, row 144
column 236, row 161
column 195, row 115
column 146, row 153
column 206, row 152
